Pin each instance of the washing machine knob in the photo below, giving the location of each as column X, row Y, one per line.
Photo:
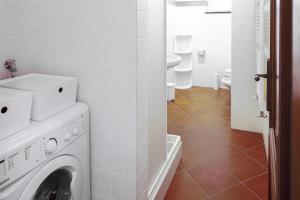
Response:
column 75, row 131
column 51, row 146
column 67, row 136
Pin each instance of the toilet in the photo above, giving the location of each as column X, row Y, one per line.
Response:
column 226, row 81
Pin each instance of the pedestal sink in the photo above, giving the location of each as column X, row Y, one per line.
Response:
column 173, row 60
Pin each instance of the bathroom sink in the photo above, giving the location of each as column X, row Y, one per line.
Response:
column 173, row 60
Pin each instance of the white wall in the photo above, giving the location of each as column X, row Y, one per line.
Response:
column 103, row 44
column 171, row 25
column 244, row 109
column 156, row 62
column 210, row 32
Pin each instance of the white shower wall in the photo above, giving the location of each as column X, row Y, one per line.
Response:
column 157, row 107
column 103, row 44
column 211, row 32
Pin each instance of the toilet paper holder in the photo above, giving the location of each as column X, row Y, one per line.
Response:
column 201, row 52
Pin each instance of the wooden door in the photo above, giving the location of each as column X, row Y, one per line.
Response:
column 279, row 103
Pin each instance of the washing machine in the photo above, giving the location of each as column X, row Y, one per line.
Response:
column 49, row 160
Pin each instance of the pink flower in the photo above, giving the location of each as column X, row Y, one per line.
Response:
column 10, row 65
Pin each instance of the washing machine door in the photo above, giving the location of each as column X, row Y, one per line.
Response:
column 60, row 179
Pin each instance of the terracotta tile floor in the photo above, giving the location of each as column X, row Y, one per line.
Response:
column 218, row 163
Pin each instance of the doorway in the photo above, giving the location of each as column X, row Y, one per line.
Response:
column 224, row 151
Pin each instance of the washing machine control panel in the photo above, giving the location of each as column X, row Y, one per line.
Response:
column 29, row 155
column 64, row 136
column 22, row 159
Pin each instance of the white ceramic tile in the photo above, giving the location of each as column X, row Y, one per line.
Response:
column 90, row 4
column 123, row 5
column 83, row 72
column 34, row 5
column 124, row 161
column 39, row 48
column 80, row 49
column 13, row 47
column 246, row 34
column 142, row 78
column 122, row 24
column 141, row 23
column 142, row 105
column 102, row 182
column 142, row 5
column 141, row 158
column 55, row 5
column 14, row 23
column 59, row 48
column 96, row 196
column 114, row 51
column 40, row 66
column 81, row 23
column 141, row 185
column 39, row 23
column 121, row 80
column 244, row 62
column 141, row 51
column 101, row 155
column 243, row 48
column 123, row 187
column 98, row 24
column 111, row 131
column 144, row 196
column 121, row 107
column 142, row 131
column 57, row 23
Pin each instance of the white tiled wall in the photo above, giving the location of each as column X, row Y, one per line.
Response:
column 244, row 106
column 103, row 44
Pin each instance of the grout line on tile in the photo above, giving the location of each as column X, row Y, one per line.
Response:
column 254, row 177
column 195, row 182
column 250, row 148
column 243, row 182
column 250, row 190
column 254, row 160
column 225, row 189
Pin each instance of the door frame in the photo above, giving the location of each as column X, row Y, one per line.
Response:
column 281, row 99
column 284, row 62
column 295, row 106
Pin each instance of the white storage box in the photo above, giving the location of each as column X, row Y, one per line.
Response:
column 51, row 94
column 15, row 109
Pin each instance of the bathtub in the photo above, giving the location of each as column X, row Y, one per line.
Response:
column 162, row 182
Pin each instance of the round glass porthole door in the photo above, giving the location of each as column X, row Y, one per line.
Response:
column 57, row 186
